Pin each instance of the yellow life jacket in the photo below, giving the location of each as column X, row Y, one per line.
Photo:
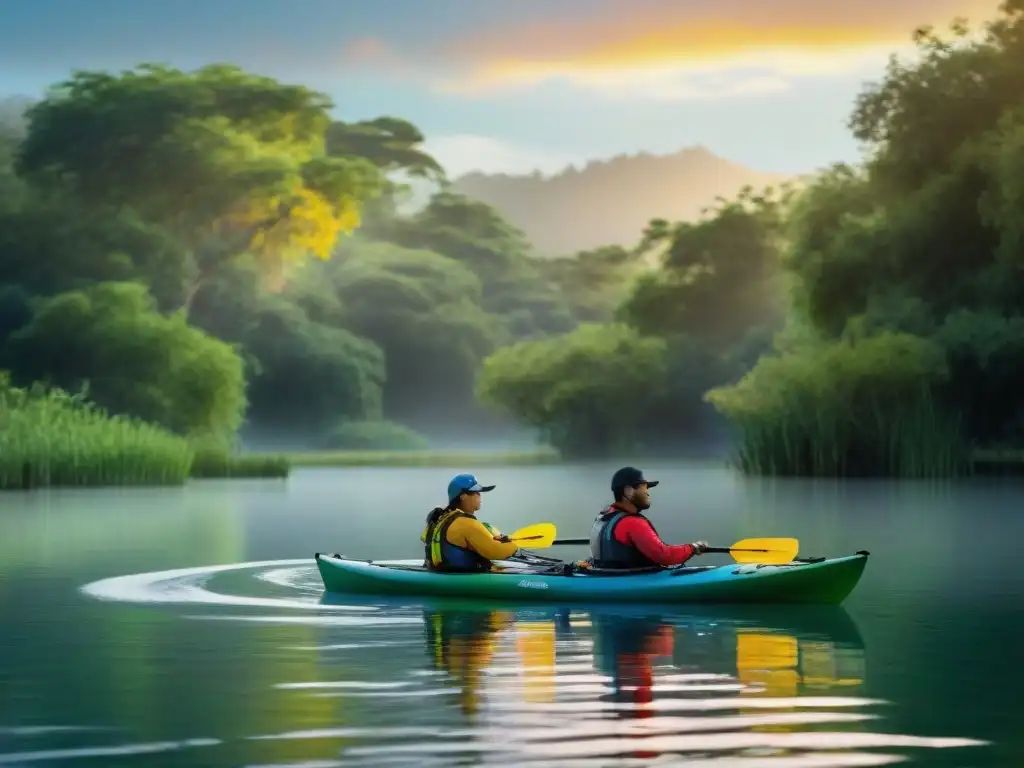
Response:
column 441, row 555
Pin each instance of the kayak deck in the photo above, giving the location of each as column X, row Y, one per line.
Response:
column 817, row 581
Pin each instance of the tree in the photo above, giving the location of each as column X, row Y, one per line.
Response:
column 51, row 241
column 305, row 377
column 305, row 370
column 954, row 90
column 593, row 283
column 390, row 143
column 468, row 231
column 132, row 359
column 589, row 392
column 227, row 161
column 423, row 310
column 927, row 238
column 718, row 276
column 474, row 234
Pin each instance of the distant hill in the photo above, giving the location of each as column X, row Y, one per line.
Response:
column 609, row 202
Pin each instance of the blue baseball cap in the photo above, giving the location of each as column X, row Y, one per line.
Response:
column 465, row 482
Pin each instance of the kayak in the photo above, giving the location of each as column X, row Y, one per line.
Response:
column 816, row 580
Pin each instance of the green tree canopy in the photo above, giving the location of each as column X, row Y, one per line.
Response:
column 588, row 392
column 593, row 283
column 134, row 360
column 390, row 143
column 513, row 284
column 227, row 161
column 423, row 310
column 306, row 376
column 927, row 238
column 719, row 276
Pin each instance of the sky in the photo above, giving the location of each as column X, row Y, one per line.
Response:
column 520, row 85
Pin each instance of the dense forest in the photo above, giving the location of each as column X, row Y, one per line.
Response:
column 210, row 251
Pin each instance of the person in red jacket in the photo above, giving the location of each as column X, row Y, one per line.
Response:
column 623, row 538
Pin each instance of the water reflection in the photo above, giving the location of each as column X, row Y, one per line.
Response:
column 462, row 644
column 775, row 686
column 305, row 678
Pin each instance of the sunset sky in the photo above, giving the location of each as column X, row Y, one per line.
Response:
column 514, row 85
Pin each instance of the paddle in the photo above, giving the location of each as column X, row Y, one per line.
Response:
column 762, row 550
column 540, row 535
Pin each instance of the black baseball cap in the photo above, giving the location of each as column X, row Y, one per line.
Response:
column 632, row 477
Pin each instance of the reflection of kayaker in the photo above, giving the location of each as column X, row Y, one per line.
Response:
column 462, row 644
column 454, row 540
column 625, row 650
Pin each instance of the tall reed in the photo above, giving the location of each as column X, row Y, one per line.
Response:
column 50, row 438
column 847, row 410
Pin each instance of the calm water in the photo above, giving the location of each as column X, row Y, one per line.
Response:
column 188, row 627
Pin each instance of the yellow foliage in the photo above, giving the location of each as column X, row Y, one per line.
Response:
column 300, row 223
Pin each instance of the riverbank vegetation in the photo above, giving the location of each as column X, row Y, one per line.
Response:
column 51, row 438
column 450, row 459
column 241, row 263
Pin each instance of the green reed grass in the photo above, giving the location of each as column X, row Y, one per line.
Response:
column 213, row 459
column 846, row 410
column 50, row 438
column 429, row 458
column 918, row 441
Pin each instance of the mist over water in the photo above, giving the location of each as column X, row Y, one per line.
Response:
column 189, row 627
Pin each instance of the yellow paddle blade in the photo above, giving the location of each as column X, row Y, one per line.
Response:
column 768, row 551
column 535, row 536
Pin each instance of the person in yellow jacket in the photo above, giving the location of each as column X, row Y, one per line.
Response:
column 454, row 540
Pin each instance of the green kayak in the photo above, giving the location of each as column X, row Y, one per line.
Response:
column 536, row 579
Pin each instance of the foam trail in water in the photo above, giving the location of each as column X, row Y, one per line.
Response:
column 390, row 694
column 379, row 733
column 707, row 742
column 17, row 758
column 731, row 741
column 350, row 684
column 324, row 621
column 44, row 730
column 673, row 725
column 668, row 705
column 185, row 585
column 356, row 646
column 292, row 578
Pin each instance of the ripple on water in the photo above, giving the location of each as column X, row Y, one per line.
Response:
column 118, row 750
column 188, row 585
column 527, row 709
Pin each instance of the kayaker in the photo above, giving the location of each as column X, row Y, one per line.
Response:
column 622, row 537
column 454, row 540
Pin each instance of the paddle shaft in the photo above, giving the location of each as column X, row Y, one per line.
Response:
column 722, row 550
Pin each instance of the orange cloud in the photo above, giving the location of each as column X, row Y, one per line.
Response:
column 784, row 37
column 656, row 49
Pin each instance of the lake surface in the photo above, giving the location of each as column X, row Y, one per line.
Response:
column 186, row 627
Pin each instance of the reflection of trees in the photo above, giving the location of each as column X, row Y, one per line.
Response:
column 148, row 671
column 84, row 534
